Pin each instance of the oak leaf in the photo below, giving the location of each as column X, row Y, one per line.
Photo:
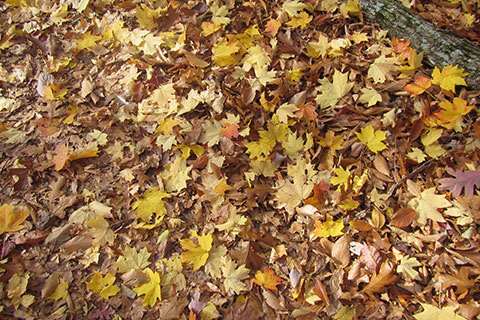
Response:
column 382, row 280
column 103, row 286
column 11, row 219
column 61, row 156
column 466, row 181
column 151, row 289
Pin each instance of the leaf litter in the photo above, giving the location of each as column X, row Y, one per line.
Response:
column 263, row 160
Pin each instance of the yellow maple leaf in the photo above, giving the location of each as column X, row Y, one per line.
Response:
column 333, row 91
column 224, row 53
column 294, row 75
column 103, row 286
column 370, row 96
column 372, row 139
column 331, row 141
column 290, row 194
column 209, row 28
column 197, row 254
column 234, row 276
column 87, row 41
column 431, row 312
column 342, row 178
column 329, row 228
column 61, row 291
column 449, row 77
column 268, row 279
column 146, row 17
column 11, row 219
column 176, row 175
column 100, row 231
column 132, row 259
column 302, row 20
column 420, row 85
column 430, row 141
column 381, row 69
column 427, row 205
column 450, row 117
column 222, row 187
column 151, row 289
column 151, row 202
column 316, row 49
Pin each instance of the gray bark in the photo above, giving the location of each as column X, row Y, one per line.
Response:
column 441, row 47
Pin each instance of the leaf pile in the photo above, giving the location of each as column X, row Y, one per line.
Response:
column 233, row 160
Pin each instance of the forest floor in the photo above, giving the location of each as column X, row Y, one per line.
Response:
column 234, row 160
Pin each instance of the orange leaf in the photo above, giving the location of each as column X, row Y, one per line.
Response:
column 419, row 86
column 229, row 131
column 11, row 220
column 61, row 156
column 272, row 26
column 381, row 280
column 268, row 279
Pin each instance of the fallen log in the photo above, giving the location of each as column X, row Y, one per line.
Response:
column 441, row 47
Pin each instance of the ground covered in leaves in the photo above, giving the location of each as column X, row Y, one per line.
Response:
column 233, row 160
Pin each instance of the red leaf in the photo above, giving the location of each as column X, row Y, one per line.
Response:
column 468, row 180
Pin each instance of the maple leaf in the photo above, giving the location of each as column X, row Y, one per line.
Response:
column 146, row 16
column 233, row 224
column 329, row 228
column 342, row 178
column 151, row 289
column 466, row 181
column 224, row 53
column 427, row 205
column 175, row 175
column 289, row 195
column 222, row 187
column 431, row 312
column 234, row 276
column 150, row 203
column 381, row 69
column 87, row 41
column 449, row 77
column 214, row 261
column 406, row 265
column 268, row 279
column 293, row 7
column 451, row 115
column 333, row 91
column 420, row 85
column 301, row 20
column 11, row 219
column 196, row 254
column 103, row 286
column 372, row 139
column 132, row 259
column 100, row 231
column 17, row 285
column 317, row 49
column 61, row 291
column 370, row 96
column 430, row 141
